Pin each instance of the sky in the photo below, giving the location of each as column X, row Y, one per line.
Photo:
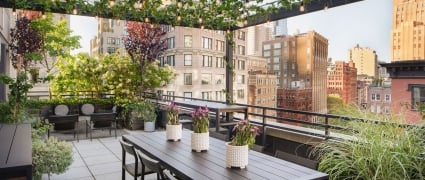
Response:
column 367, row 23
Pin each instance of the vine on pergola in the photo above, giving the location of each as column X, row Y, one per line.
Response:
column 209, row 14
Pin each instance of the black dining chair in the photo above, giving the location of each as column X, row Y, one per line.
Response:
column 168, row 175
column 135, row 169
column 64, row 123
column 101, row 121
column 150, row 163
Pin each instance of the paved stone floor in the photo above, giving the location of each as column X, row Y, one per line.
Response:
column 97, row 159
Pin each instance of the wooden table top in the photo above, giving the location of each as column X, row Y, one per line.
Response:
column 179, row 158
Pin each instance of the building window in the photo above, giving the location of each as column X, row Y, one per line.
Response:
column 219, row 78
column 219, row 62
column 206, row 78
column 206, row 61
column 113, row 41
column 241, row 50
column 170, row 95
column 241, row 35
column 206, row 95
column 241, row 65
column 219, row 95
column 418, row 94
column 171, row 60
column 111, row 50
column 188, row 60
column 266, row 54
column 170, row 43
column 187, row 78
column 241, row 79
column 187, row 95
column 206, row 43
column 219, row 46
column 187, row 41
column 266, row 46
column 241, row 93
column 388, row 97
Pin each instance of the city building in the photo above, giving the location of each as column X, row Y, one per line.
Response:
column 109, row 37
column 379, row 98
column 294, row 99
column 300, row 62
column 281, row 27
column 408, row 32
column 255, row 36
column 342, row 81
column 197, row 55
column 365, row 59
column 407, row 88
column 262, row 92
column 5, row 24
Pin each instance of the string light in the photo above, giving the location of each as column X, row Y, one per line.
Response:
column 302, row 7
column 146, row 19
column 326, row 7
column 202, row 26
column 218, row 2
column 200, row 19
column 179, row 4
column 14, row 11
column 43, row 15
column 75, row 11
column 179, row 18
column 111, row 2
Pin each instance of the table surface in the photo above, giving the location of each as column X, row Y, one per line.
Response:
column 15, row 150
column 179, row 158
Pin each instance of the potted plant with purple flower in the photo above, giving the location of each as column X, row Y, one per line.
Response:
column 173, row 127
column 200, row 134
column 237, row 149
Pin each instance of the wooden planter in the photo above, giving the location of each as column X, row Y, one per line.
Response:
column 200, row 141
column 236, row 156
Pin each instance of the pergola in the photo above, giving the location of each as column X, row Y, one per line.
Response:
column 226, row 15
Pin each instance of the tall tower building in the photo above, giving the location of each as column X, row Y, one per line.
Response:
column 365, row 59
column 109, row 37
column 408, row 33
column 281, row 27
column 255, row 36
column 342, row 81
column 312, row 55
column 300, row 62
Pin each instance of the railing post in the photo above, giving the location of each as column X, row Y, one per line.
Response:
column 264, row 128
column 326, row 127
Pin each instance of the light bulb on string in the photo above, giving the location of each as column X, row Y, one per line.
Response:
column 75, row 11
column 302, row 8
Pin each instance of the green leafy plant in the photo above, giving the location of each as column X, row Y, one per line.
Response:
column 376, row 151
column 138, row 111
column 18, row 87
column 245, row 133
column 173, row 114
column 200, row 119
column 50, row 156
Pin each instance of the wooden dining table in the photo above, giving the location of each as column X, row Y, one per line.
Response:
column 179, row 158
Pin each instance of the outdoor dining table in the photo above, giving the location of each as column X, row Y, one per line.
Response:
column 215, row 107
column 179, row 158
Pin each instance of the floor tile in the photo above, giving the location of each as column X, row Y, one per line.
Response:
column 105, row 168
column 100, row 159
column 73, row 173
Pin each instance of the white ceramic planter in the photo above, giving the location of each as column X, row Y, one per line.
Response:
column 200, row 141
column 149, row 126
column 174, row 132
column 236, row 156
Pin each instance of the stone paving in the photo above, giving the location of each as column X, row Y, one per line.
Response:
column 97, row 159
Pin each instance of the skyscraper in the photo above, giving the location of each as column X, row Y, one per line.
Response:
column 408, row 33
column 365, row 59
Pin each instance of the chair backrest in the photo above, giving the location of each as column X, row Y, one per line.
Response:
column 168, row 175
column 102, row 119
column 312, row 164
column 67, row 122
column 127, row 148
column 150, row 163
column 87, row 109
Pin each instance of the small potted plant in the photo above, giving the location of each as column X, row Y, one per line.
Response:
column 200, row 134
column 173, row 127
column 148, row 116
column 237, row 149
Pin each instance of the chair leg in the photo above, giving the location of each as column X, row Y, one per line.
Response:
column 122, row 174
column 87, row 129
column 115, row 129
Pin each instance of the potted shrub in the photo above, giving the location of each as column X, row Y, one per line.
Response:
column 173, row 127
column 132, row 114
column 237, row 149
column 148, row 116
column 200, row 134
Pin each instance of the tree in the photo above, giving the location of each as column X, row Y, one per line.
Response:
column 144, row 42
column 24, row 45
column 56, row 40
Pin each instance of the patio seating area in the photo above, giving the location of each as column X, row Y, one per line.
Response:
column 96, row 159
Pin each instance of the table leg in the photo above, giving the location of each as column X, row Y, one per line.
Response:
column 217, row 121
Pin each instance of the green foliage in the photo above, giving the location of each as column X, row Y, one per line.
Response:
column 173, row 114
column 50, row 156
column 14, row 111
column 377, row 151
column 245, row 133
column 145, row 110
column 56, row 40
